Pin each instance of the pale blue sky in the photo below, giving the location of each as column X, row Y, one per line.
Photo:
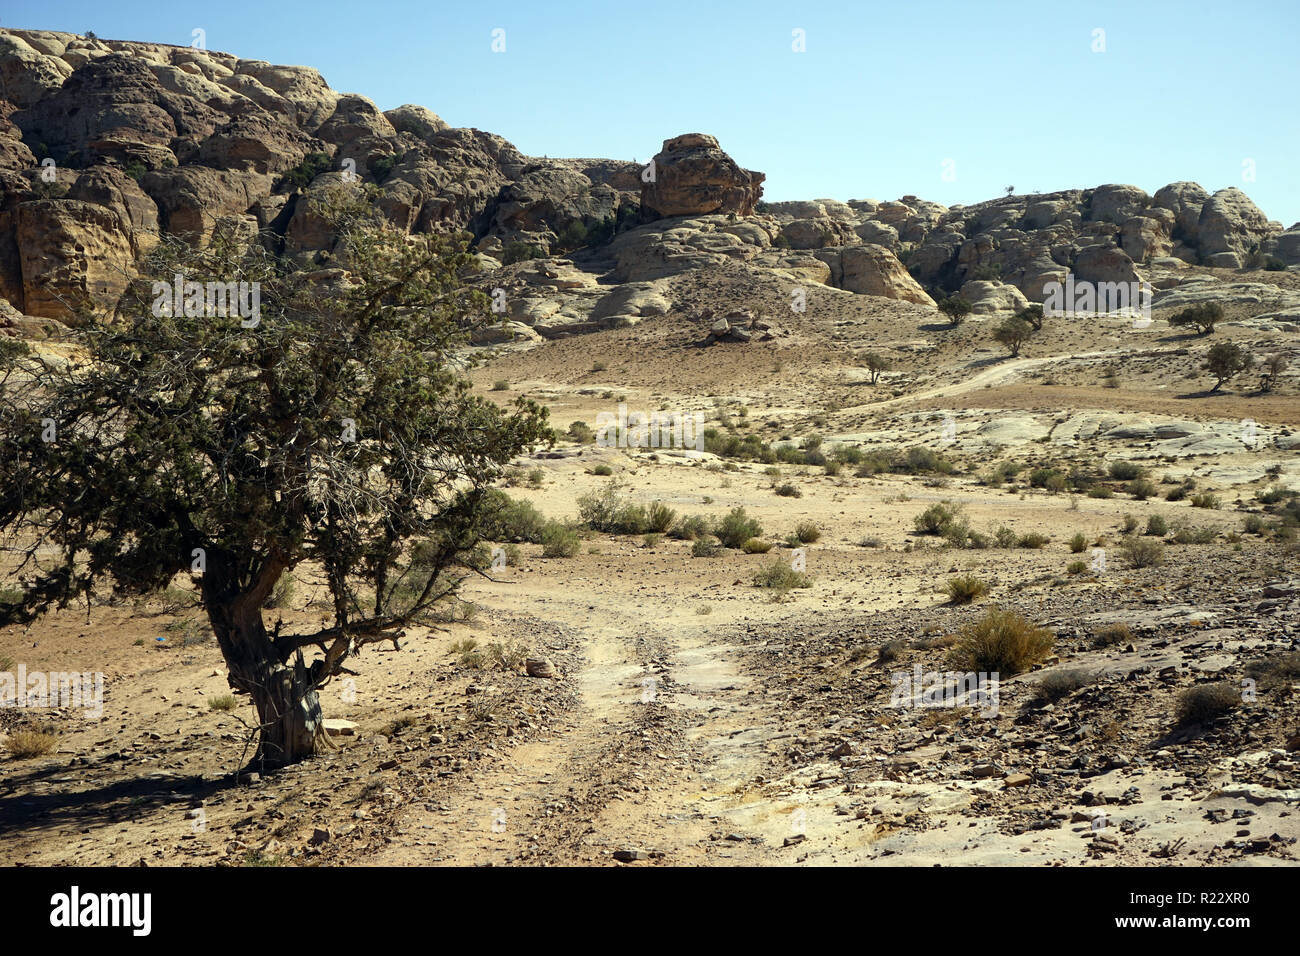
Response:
column 1011, row 92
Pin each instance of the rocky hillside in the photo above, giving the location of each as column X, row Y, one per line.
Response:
column 104, row 145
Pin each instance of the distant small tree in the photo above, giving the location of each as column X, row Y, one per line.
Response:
column 1009, row 190
column 1271, row 370
column 1203, row 317
column 1033, row 314
column 875, row 363
column 1224, row 361
column 1014, row 332
column 955, row 308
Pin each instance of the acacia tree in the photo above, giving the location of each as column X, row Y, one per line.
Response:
column 1203, row 317
column 1033, row 314
column 1272, row 370
column 1014, row 332
column 1225, row 360
column 875, row 364
column 955, row 308
column 338, row 434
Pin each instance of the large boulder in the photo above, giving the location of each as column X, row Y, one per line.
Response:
column 1148, row 235
column 27, row 75
column 987, row 297
column 114, row 106
column 872, row 270
column 1232, row 227
column 75, row 256
column 1102, row 263
column 818, row 233
column 1184, row 200
column 694, row 177
column 1112, row 203
column 421, row 123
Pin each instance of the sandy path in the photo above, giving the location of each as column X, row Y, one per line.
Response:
column 647, row 761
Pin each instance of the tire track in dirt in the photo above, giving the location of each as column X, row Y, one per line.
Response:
column 645, row 761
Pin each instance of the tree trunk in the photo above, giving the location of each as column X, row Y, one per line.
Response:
column 288, row 710
column 290, row 723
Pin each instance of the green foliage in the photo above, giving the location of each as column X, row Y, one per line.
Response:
column 514, row 252
column 582, row 433
column 875, row 363
column 1203, row 317
column 1142, row 489
column 955, row 308
column 936, row 518
column 737, row 528
column 807, row 532
column 1157, row 526
column 337, row 431
column 559, row 540
column 302, row 175
column 966, row 588
column 1033, row 315
column 510, row 519
column 689, row 528
column 1013, row 333
column 1126, row 470
column 706, row 546
column 780, row 576
column 381, row 166
column 1225, row 360
column 1142, row 552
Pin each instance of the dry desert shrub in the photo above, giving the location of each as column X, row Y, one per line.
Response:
column 1002, row 641
column 1205, row 702
column 966, row 588
column 1112, row 634
column 25, row 744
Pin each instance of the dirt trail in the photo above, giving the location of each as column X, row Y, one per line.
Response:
column 999, row 374
column 659, row 745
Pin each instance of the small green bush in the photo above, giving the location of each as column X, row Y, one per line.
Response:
column 934, row 519
column 559, row 540
column 737, row 528
column 1143, row 553
column 780, row 576
column 964, row 589
column 706, row 547
column 807, row 532
column 1142, row 489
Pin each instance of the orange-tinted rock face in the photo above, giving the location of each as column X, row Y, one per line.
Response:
column 692, row 176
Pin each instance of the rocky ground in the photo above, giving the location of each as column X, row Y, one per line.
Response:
column 693, row 718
